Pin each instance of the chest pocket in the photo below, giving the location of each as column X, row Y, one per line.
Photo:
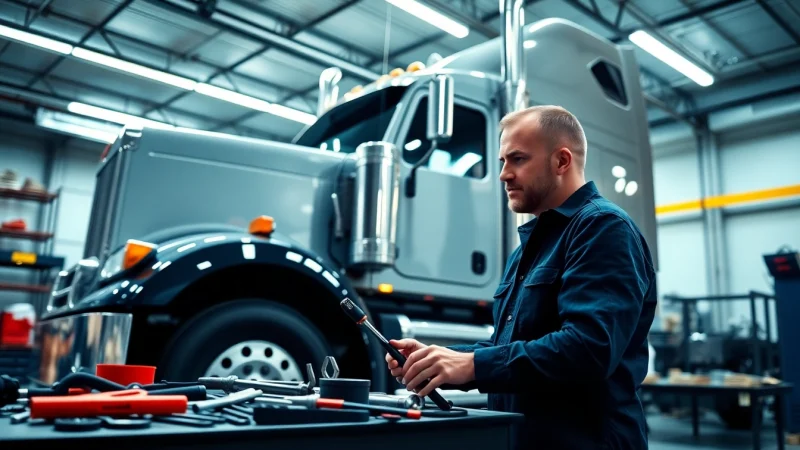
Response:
column 537, row 309
column 500, row 298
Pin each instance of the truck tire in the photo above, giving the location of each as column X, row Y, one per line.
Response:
column 253, row 333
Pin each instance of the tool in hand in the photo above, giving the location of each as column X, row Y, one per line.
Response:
column 127, row 402
column 355, row 313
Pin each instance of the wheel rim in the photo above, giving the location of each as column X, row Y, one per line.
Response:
column 255, row 360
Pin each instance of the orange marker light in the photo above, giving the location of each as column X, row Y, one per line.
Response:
column 136, row 251
column 396, row 72
column 385, row 288
column 263, row 225
column 415, row 66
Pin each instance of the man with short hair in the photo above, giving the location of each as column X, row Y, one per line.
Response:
column 572, row 313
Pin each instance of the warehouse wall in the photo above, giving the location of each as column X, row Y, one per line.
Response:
column 61, row 164
column 754, row 151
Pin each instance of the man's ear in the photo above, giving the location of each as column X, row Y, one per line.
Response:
column 563, row 160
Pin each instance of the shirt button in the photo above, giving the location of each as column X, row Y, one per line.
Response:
column 508, row 319
column 521, row 277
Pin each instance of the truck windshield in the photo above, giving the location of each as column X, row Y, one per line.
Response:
column 360, row 120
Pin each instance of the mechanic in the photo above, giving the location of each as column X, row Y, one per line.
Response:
column 572, row 314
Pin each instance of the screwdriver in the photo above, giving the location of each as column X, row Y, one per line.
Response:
column 355, row 313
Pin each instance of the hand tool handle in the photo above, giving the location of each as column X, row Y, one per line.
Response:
column 358, row 315
column 92, row 405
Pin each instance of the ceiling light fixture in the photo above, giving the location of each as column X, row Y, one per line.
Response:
column 136, row 69
column 254, row 103
column 114, row 116
column 432, row 16
column 76, row 126
column 35, row 39
column 670, row 57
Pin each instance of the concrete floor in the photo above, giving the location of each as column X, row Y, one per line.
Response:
column 669, row 433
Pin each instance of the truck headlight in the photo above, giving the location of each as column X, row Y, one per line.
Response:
column 126, row 257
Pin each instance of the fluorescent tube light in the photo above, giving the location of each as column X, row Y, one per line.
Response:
column 670, row 57
column 136, row 69
column 233, row 97
column 76, row 126
column 432, row 16
column 114, row 116
column 255, row 103
column 34, row 39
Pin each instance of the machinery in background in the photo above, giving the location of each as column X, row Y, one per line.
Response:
column 390, row 198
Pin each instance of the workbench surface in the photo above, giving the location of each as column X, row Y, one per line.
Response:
column 479, row 429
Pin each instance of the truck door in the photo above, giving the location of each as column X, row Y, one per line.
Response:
column 450, row 231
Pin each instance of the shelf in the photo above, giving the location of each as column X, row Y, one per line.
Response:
column 23, row 234
column 29, row 260
column 19, row 194
column 35, row 288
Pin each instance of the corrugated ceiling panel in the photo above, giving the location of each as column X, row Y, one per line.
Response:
column 227, row 49
column 282, row 68
column 99, row 76
column 298, row 11
column 14, row 75
column 93, row 11
column 163, row 28
column 26, row 57
column 755, row 31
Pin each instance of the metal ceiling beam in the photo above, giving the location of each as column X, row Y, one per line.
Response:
column 725, row 36
column 93, row 29
column 649, row 24
column 410, row 47
column 264, row 47
column 696, row 12
column 253, row 31
column 52, row 100
column 149, row 45
column 780, row 21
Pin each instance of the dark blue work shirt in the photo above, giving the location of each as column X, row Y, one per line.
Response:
column 571, row 319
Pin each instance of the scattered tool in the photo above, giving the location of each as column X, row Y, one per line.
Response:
column 230, row 399
column 276, row 387
column 412, row 401
column 355, row 313
column 315, row 402
column 127, row 402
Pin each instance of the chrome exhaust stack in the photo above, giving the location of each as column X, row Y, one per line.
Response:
column 328, row 89
column 514, row 69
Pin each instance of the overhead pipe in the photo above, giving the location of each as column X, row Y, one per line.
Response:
column 514, row 69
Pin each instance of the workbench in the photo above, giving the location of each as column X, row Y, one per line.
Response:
column 755, row 395
column 479, row 429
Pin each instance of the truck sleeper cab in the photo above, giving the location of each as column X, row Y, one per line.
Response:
column 214, row 297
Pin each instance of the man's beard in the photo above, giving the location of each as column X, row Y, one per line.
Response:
column 532, row 196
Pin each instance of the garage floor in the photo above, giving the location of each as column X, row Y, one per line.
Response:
column 669, row 433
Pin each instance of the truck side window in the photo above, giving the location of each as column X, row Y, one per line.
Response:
column 464, row 155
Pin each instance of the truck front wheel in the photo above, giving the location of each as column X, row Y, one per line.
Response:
column 250, row 338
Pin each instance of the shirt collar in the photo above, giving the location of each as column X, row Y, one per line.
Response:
column 568, row 209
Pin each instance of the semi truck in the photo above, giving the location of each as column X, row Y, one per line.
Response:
column 216, row 255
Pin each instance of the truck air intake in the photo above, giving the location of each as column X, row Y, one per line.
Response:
column 377, row 185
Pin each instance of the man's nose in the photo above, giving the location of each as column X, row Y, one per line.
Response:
column 505, row 175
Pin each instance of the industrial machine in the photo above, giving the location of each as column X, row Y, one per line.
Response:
column 217, row 255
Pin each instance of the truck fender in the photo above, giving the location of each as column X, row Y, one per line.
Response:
column 179, row 264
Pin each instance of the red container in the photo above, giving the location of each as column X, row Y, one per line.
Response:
column 16, row 325
column 125, row 374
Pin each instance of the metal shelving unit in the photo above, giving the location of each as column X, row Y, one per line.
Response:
column 40, row 259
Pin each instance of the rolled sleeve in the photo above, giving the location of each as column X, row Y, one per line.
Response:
column 604, row 283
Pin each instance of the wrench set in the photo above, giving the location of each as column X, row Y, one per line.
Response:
column 82, row 401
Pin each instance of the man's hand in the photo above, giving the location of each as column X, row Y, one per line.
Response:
column 440, row 365
column 406, row 348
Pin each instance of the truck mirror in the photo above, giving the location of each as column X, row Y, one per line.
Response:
column 440, row 108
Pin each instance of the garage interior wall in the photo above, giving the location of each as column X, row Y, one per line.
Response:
column 750, row 149
column 62, row 165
